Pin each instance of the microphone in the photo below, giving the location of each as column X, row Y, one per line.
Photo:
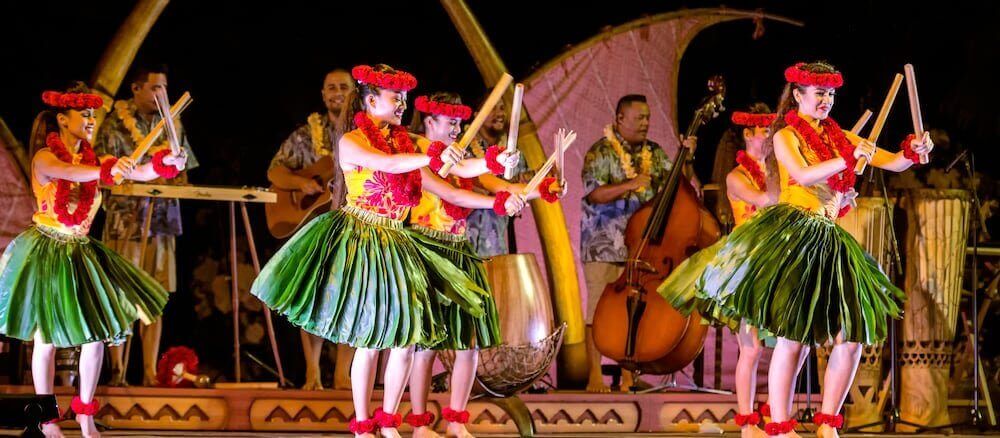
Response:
column 957, row 160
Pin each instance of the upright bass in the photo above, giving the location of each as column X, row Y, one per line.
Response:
column 633, row 324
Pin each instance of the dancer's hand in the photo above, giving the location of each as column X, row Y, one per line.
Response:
column 179, row 161
column 124, row 167
column 922, row 145
column 865, row 149
column 514, row 204
column 451, row 154
column 509, row 159
column 850, row 198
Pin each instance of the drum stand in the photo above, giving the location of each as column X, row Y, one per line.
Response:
column 670, row 382
column 891, row 412
column 975, row 415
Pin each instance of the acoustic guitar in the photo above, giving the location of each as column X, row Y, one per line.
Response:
column 294, row 208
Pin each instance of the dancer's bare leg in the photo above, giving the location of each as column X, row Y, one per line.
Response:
column 43, row 371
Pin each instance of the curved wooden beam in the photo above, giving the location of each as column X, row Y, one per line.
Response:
column 551, row 223
column 117, row 58
column 573, row 366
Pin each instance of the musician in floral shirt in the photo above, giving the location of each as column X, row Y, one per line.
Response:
column 487, row 230
column 318, row 138
column 123, row 129
column 621, row 172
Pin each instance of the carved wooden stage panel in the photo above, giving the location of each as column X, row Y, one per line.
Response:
column 272, row 411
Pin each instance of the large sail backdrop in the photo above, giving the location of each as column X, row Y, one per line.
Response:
column 579, row 89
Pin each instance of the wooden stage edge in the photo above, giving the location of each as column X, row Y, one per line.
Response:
column 563, row 413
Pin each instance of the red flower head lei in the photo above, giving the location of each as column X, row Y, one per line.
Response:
column 798, row 75
column 426, row 105
column 77, row 101
column 406, row 187
column 753, row 120
column 86, row 191
column 399, row 81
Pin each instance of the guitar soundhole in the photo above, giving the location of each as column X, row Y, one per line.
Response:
column 307, row 201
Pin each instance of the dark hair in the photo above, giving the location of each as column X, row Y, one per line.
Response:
column 357, row 100
column 45, row 122
column 140, row 74
column 759, row 108
column 336, row 70
column 417, row 123
column 787, row 101
column 626, row 100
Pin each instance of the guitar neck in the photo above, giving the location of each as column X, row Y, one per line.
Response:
column 201, row 193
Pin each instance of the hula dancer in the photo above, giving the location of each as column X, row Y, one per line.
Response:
column 751, row 186
column 58, row 286
column 439, row 117
column 790, row 270
column 358, row 276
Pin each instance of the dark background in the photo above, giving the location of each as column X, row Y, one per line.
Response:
column 255, row 71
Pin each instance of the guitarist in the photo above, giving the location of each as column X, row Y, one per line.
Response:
column 123, row 129
column 318, row 138
column 621, row 172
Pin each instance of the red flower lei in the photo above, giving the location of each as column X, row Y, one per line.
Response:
column 843, row 181
column 77, row 101
column 753, row 169
column 361, row 427
column 545, row 190
column 406, row 187
column 419, row 420
column 86, row 191
column 434, row 151
column 399, row 81
column 492, row 155
column 453, row 416
column 796, row 74
column 749, row 119
column 169, row 360
column 106, row 166
column 751, row 419
column 425, row 105
column 386, row 420
column 907, row 149
column 81, row 408
column 765, row 409
column 834, row 421
column 780, row 428
column 165, row 171
column 499, row 206
column 454, row 211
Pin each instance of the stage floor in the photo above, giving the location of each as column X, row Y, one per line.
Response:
column 162, row 412
column 169, row 434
